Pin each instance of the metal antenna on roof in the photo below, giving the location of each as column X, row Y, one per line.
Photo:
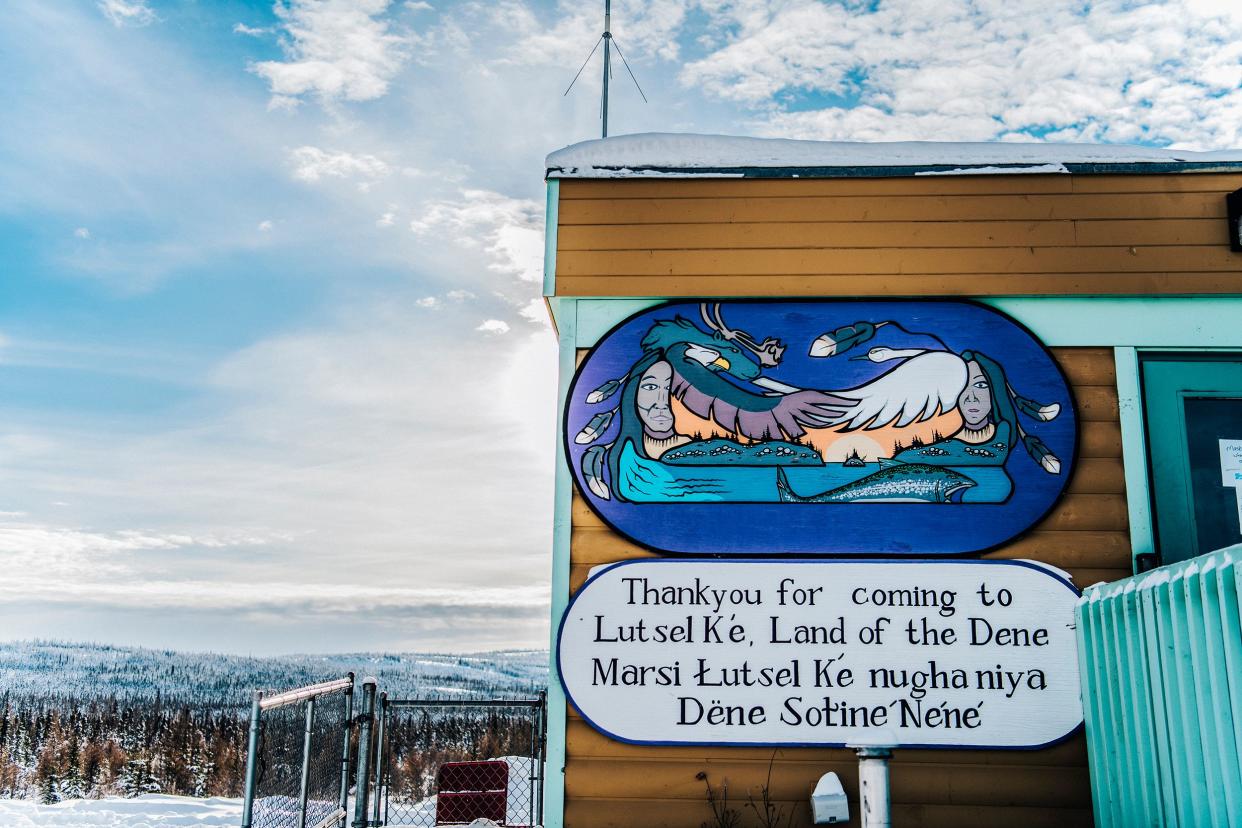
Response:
column 609, row 42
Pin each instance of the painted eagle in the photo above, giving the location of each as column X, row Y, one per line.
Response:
column 717, row 375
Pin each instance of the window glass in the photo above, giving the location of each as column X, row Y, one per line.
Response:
column 1210, row 420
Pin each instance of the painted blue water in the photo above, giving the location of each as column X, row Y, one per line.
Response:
column 650, row 481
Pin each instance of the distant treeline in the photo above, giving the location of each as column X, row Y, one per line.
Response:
column 213, row 681
column 82, row 720
column 108, row 748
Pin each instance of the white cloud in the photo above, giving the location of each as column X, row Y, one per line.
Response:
column 536, row 310
column 312, row 164
column 429, row 302
column 1165, row 72
column 493, row 327
column 460, row 295
column 82, row 233
column 243, row 29
column 510, row 228
column 83, row 567
column 641, row 27
column 386, row 220
column 26, row 542
column 266, row 226
column 335, row 50
column 127, row 12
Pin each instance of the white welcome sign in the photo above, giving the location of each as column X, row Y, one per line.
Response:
column 967, row 653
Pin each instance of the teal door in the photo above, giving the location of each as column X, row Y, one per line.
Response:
column 1193, row 410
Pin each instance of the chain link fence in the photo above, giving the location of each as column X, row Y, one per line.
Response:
column 452, row 762
column 297, row 770
column 400, row 761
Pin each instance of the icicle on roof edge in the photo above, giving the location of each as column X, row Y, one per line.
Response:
column 684, row 155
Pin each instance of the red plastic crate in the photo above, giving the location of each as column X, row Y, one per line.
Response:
column 467, row 791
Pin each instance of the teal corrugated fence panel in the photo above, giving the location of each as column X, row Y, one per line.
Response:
column 1161, row 665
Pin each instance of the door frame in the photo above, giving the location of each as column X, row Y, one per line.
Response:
column 1136, row 461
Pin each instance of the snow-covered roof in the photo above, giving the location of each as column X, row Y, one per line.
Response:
column 659, row 154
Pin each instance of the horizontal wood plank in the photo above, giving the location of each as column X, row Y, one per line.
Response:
column 1221, row 183
column 721, row 188
column 1088, row 512
column 944, row 783
column 839, row 235
column 1084, row 578
column 582, row 741
column 1066, row 549
column 1087, row 366
column 853, row 285
column 1151, row 231
column 1096, row 403
column 1015, row 207
column 1063, row 233
column 1074, row 550
column 1099, row 439
column 675, row 813
column 1098, row 475
column 931, row 261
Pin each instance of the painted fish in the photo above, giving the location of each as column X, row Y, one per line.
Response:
column 897, row 483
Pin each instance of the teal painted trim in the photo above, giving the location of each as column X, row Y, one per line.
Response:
column 597, row 316
column 551, row 218
column 566, row 313
column 1135, row 321
column 1134, row 451
column 1182, row 322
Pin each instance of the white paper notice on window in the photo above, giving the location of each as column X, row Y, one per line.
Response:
column 1231, row 463
column 1231, row 469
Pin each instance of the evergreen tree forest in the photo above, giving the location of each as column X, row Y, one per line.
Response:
column 53, row 752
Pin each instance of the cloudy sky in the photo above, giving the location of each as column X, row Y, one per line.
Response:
column 274, row 371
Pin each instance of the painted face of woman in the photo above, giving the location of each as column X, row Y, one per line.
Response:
column 975, row 401
column 652, row 399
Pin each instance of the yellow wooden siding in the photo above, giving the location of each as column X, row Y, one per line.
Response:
column 971, row 235
column 608, row 783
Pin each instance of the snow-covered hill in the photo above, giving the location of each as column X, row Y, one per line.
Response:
column 51, row 671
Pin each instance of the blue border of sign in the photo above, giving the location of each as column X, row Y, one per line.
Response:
column 560, row 674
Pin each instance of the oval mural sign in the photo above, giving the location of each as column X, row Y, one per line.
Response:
column 820, row 427
column 951, row 654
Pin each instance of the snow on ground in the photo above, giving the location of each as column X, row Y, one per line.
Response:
column 162, row 811
column 150, row 811
column 638, row 155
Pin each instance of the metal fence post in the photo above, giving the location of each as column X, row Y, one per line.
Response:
column 304, row 788
column 379, row 758
column 252, row 759
column 366, row 717
column 349, row 730
column 541, row 752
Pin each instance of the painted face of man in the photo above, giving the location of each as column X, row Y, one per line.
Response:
column 975, row 401
column 652, row 400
